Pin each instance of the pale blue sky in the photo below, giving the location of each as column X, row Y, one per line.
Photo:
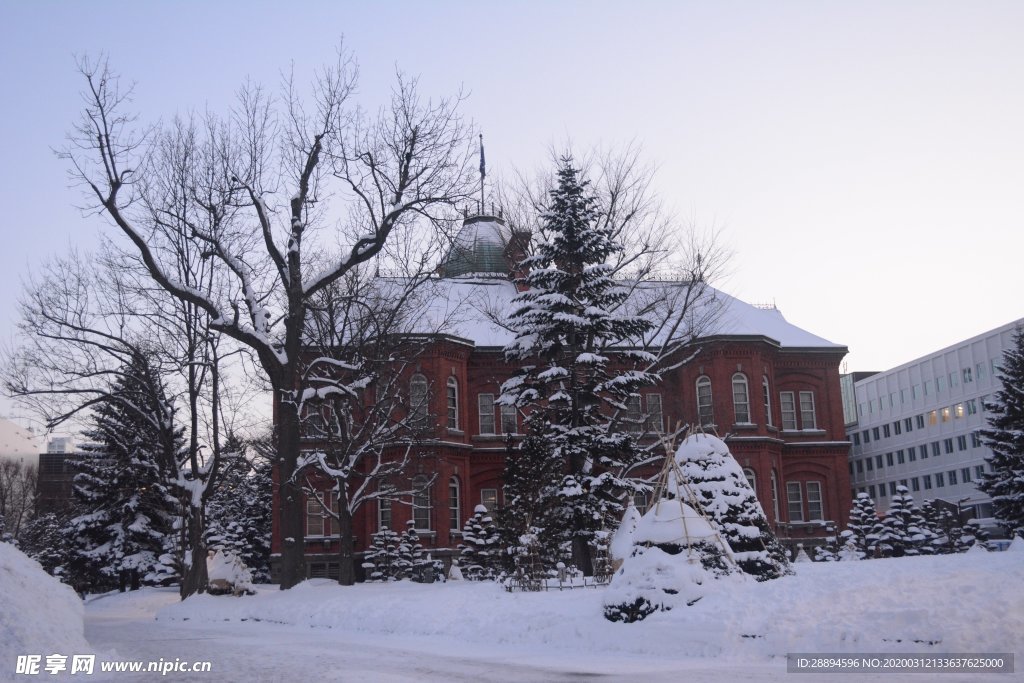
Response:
column 864, row 160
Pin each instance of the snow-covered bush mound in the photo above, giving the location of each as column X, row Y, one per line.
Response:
column 228, row 574
column 677, row 553
column 38, row 614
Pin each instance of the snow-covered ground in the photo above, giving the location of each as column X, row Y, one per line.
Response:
column 969, row 603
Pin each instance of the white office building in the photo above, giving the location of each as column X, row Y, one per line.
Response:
column 917, row 425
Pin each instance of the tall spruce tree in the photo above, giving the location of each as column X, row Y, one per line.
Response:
column 126, row 486
column 1005, row 437
column 577, row 370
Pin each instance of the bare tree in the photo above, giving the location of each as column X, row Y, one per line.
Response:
column 17, row 495
column 367, row 336
column 277, row 166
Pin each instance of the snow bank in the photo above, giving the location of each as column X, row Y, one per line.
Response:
column 940, row 604
column 39, row 615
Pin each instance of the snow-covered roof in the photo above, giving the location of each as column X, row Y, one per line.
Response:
column 474, row 307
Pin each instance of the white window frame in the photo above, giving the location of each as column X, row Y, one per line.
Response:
column 454, row 504
column 794, row 503
column 419, row 400
column 421, row 503
column 766, row 390
column 775, row 495
column 815, row 503
column 509, row 417
column 452, row 402
column 485, row 407
column 384, row 518
column 808, row 414
column 489, row 498
column 633, row 416
column 741, row 398
column 655, row 421
column 787, row 404
column 705, row 402
column 751, row 476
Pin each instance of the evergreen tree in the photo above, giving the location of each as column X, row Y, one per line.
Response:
column 724, row 494
column 860, row 534
column 903, row 529
column 46, row 541
column 479, row 555
column 126, row 491
column 531, row 479
column 974, row 534
column 946, row 529
column 1005, row 438
column 381, row 560
column 239, row 512
column 577, row 374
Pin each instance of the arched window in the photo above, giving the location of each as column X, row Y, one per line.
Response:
column 454, row 504
column 453, row 403
column 421, row 502
column 741, row 398
column 765, row 389
column 418, row 399
column 751, row 478
column 705, row 412
column 775, row 496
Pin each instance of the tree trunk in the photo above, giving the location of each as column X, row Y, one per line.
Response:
column 196, row 578
column 290, row 498
column 346, row 555
column 581, row 555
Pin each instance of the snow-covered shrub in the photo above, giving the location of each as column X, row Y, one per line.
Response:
column 677, row 554
column 228, row 574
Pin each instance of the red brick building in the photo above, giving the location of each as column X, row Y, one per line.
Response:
column 769, row 386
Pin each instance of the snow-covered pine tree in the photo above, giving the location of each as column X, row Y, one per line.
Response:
column 479, row 556
column 945, row 528
column 974, row 535
column 577, row 372
column 904, row 531
column 126, row 486
column 381, row 560
column 861, row 528
column 1004, row 436
column 238, row 514
column 725, row 496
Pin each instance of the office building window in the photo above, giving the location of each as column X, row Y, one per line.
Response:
column 952, row 477
column 915, row 484
column 927, row 482
column 900, row 458
column 919, row 420
column 888, row 460
column 961, row 442
column 935, row 449
column 940, row 480
column 965, row 474
column 948, row 445
column 975, row 440
column 908, row 424
column 885, row 431
column 912, row 453
column 968, row 378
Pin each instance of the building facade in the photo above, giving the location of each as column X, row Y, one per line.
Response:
column 917, row 425
column 769, row 387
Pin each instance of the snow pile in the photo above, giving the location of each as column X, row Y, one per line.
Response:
column 932, row 604
column 39, row 615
